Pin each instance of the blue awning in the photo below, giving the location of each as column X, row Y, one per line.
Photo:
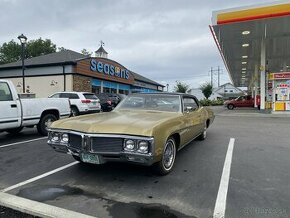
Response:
column 124, row 87
column 96, row 82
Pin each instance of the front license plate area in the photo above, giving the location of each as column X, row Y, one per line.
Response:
column 90, row 158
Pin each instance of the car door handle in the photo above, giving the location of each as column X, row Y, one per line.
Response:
column 13, row 105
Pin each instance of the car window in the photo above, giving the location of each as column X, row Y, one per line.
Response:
column 170, row 103
column 189, row 102
column 240, row 98
column 90, row 96
column 57, row 95
column 5, row 93
column 64, row 95
column 73, row 96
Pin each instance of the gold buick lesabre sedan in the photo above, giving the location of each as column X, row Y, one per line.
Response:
column 146, row 128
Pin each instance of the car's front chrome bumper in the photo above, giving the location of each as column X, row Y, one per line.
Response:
column 106, row 155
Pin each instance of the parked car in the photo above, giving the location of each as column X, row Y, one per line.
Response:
column 109, row 100
column 140, row 130
column 241, row 101
column 121, row 96
column 81, row 102
column 16, row 113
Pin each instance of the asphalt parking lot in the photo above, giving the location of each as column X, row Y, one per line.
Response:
column 258, row 184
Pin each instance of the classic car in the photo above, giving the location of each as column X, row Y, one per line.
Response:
column 145, row 128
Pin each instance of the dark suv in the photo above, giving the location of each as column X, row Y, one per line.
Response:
column 108, row 100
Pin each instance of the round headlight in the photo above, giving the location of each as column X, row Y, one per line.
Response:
column 55, row 137
column 129, row 145
column 143, row 147
column 64, row 138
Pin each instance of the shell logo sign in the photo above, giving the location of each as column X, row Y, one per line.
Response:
column 278, row 76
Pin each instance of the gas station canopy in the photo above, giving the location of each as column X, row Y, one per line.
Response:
column 253, row 39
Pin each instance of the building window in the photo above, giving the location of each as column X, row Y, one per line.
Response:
column 231, row 91
column 106, row 90
column 96, row 89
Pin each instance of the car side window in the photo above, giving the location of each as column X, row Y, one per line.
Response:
column 55, row 96
column 189, row 104
column 5, row 93
column 73, row 96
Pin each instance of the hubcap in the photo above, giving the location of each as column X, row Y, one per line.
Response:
column 169, row 155
column 48, row 122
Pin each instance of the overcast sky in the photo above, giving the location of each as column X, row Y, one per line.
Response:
column 164, row 40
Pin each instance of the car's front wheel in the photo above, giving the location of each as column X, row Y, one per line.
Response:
column 165, row 165
column 45, row 123
column 231, row 106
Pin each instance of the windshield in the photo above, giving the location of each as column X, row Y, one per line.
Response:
column 157, row 102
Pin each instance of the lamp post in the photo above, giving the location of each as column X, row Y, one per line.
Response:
column 22, row 40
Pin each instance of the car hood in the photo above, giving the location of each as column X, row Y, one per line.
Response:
column 116, row 122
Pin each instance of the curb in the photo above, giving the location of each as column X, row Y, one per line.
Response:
column 36, row 208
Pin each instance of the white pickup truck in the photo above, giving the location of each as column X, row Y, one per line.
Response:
column 16, row 113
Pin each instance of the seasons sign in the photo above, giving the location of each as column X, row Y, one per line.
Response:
column 109, row 69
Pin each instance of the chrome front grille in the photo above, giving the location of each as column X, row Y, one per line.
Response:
column 75, row 141
column 106, row 144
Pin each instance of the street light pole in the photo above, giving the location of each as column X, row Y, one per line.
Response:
column 23, row 40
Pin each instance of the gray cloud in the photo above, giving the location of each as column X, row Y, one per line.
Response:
column 163, row 40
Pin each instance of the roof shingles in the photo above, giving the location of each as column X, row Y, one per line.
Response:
column 52, row 58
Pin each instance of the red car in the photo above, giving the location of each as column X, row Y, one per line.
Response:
column 241, row 101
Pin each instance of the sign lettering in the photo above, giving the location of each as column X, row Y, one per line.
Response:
column 109, row 69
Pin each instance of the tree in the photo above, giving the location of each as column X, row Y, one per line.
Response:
column 86, row 52
column 40, row 47
column 206, row 89
column 11, row 51
column 61, row 49
column 181, row 87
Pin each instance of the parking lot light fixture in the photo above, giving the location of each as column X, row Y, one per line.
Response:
column 22, row 38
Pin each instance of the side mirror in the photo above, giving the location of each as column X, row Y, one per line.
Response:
column 188, row 109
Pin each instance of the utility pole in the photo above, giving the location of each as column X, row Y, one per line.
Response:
column 214, row 72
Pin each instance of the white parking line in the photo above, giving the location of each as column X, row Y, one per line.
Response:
column 38, row 177
column 36, row 208
column 22, row 142
column 220, row 204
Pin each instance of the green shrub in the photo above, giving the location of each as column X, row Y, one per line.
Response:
column 207, row 102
